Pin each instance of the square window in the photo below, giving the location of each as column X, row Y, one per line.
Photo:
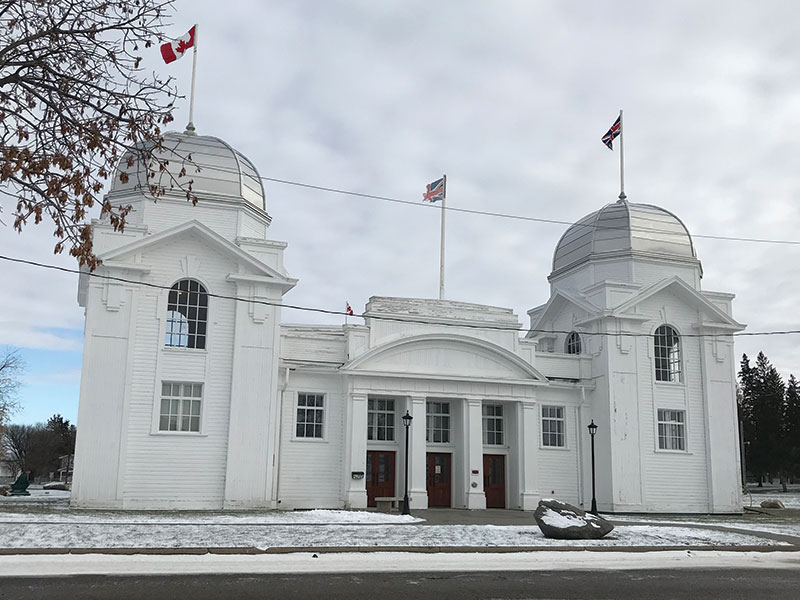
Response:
column 310, row 415
column 553, row 426
column 179, row 411
column 671, row 429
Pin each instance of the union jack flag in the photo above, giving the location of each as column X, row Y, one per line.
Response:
column 434, row 191
column 615, row 130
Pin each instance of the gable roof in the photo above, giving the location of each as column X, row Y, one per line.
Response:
column 553, row 307
column 212, row 239
column 681, row 288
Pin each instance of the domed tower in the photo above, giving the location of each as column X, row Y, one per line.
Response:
column 626, row 303
column 180, row 365
column 627, row 243
column 226, row 184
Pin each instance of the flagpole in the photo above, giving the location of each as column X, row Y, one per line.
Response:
column 190, row 126
column 622, row 195
column 441, row 253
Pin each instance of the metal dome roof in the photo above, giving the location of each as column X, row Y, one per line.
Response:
column 215, row 169
column 622, row 227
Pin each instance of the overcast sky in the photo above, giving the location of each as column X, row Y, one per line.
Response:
column 510, row 100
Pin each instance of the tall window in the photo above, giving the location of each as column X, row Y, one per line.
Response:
column 671, row 429
column 553, row 426
column 573, row 345
column 180, row 406
column 668, row 354
column 438, row 422
column 187, row 315
column 380, row 419
column 493, row 424
column 310, row 415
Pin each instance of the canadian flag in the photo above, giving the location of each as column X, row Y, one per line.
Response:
column 177, row 48
column 348, row 310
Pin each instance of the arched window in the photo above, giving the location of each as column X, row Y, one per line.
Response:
column 668, row 354
column 187, row 315
column 573, row 344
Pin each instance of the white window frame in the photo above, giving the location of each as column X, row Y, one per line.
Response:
column 183, row 414
column 315, row 409
column 671, row 430
column 573, row 345
column 491, row 418
column 441, row 418
column 560, row 434
column 177, row 331
column 374, row 414
column 672, row 355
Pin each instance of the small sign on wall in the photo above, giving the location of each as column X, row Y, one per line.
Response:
column 357, row 474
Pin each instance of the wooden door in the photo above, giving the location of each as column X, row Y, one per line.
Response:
column 438, row 475
column 494, row 480
column 380, row 475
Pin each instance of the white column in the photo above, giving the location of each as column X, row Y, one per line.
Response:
column 357, row 488
column 476, row 498
column 417, row 479
column 528, row 437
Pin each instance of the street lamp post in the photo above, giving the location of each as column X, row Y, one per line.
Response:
column 407, row 424
column 592, row 430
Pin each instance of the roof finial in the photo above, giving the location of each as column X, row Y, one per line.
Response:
column 623, row 199
column 190, row 129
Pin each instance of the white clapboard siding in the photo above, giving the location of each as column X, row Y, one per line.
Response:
column 186, row 469
column 310, row 470
column 673, row 477
column 313, row 344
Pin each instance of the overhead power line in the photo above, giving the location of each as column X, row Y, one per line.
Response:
column 384, row 317
column 487, row 213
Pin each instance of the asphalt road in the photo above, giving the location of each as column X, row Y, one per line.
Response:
column 696, row 584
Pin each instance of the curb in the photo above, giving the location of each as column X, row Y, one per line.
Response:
column 373, row 549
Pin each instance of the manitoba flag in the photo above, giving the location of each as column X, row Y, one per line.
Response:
column 434, row 191
column 615, row 130
column 177, row 48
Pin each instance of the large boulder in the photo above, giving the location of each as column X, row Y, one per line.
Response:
column 772, row 504
column 563, row 521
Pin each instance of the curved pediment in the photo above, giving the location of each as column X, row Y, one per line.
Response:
column 445, row 356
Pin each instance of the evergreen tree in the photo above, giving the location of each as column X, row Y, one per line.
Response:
column 746, row 397
column 791, row 426
column 768, row 403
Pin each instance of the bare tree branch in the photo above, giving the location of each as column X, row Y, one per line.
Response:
column 73, row 102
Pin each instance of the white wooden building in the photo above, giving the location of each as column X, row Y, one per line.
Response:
column 190, row 399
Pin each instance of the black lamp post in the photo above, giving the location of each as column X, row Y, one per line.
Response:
column 407, row 424
column 592, row 430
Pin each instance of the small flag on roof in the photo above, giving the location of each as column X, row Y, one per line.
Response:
column 615, row 130
column 434, row 191
column 349, row 310
column 177, row 48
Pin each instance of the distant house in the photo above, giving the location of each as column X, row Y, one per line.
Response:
column 190, row 399
column 65, row 467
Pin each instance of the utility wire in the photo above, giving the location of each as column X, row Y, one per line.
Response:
column 487, row 213
column 378, row 317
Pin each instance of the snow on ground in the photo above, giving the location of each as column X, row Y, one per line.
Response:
column 194, row 534
column 789, row 499
column 385, row 562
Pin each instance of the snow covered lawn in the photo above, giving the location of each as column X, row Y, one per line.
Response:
column 80, row 529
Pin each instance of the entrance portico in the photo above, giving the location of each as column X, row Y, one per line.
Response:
column 450, row 435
